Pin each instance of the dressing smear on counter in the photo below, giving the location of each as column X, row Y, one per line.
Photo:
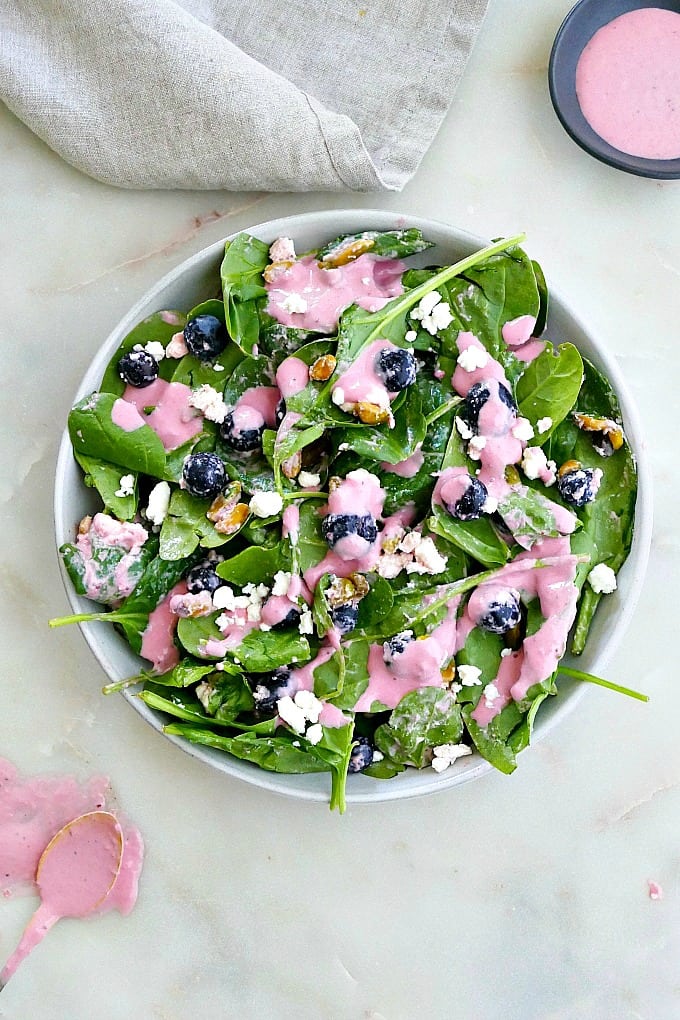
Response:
column 57, row 837
column 628, row 83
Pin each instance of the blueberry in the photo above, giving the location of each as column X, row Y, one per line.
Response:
column 502, row 613
column 205, row 336
column 204, row 475
column 361, row 755
column 578, row 487
column 397, row 368
column 396, row 645
column 291, row 617
column 337, row 526
column 470, row 505
column 478, row 395
column 241, row 439
column 345, row 617
column 203, row 578
column 269, row 688
column 280, row 412
column 137, row 368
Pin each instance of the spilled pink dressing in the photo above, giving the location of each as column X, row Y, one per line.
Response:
column 158, row 644
column 369, row 281
column 361, row 382
column 126, row 416
column 419, row 665
column 628, row 83
column 518, row 331
column 541, row 652
column 55, row 835
column 263, row 400
column 173, row 419
column 292, row 376
column 406, row 468
column 291, row 523
column 107, row 531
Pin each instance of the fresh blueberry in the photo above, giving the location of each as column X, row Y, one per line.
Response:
column 478, row 395
column 291, row 617
column 501, row 613
column 397, row 368
column 269, row 689
column 204, row 475
column 345, row 617
column 337, row 526
column 137, row 368
column 361, row 755
column 397, row 644
column 205, row 336
column 242, row 439
column 280, row 412
column 470, row 505
column 203, row 578
column 578, row 487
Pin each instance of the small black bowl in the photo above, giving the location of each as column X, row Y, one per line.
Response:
column 576, row 31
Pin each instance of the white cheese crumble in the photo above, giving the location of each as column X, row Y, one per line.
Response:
column 159, row 500
column 535, row 464
column 209, row 402
column 338, row 396
column 306, row 624
column 266, row 504
column 411, row 336
column 298, row 712
column 491, row 694
column 294, row 304
column 505, row 652
column 203, row 693
column 314, row 733
column 307, row 479
column 463, row 429
column 490, row 505
column 543, row 424
column 428, row 560
column 445, row 754
column 469, row 676
column 291, row 714
column 475, row 447
column 410, row 542
column 282, row 579
column 390, row 565
column 433, row 313
column 126, row 486
column 471, row 358
column 602, row 579
column 523, row 430
column 223, row 598
column 156, row 349
column 282, row 250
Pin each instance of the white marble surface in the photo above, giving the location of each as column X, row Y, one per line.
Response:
column 519, row 898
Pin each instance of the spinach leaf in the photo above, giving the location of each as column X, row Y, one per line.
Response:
column 549, row 386
column 104, row 564
column 312, row 547
column 391, row 445
column 160, row 326
column 243, row 288
column 254, row 565
column 320, row 610
column 186, row 526
column 393, row 244
column 423, row 719
column 335, row 747
column 528, row 514
column 105, row 478
column 94, row 434
column 491, row 740
column 477, row 538
column 262, row 651
column 376, row 605
column 193, row 633
column 185, row 673
column 275, row 754
column 356, row 676
column 544, row 299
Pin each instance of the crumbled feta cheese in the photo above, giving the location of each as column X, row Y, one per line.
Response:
column 490, row 505
column 307, row 479
column 291, row 714
column 469, row 676
column 208, row 401
column 505, row 652
column 463, row 429
column 445, row 754
column 472, row 357
column 390, row 565
column 433, row 313
column 378, row 755
column 253, row 612
column 223, row 598
column 220, row 368
column 126, row 486
column 159, row 500
column 156, row 349
column 224, row 621
column 426, row 304
column 475, row 447
column 266, row 504
column 306, row 624
column 491, row 694
column 534, row 464
column 338, row 396
column 204, row 692
column 543, row 424
column 410, row 542
column 294, row 304
column 177, row 347
column 602, row 579
column 315, row 733
column 265, row 626
column 310, row 705
column 523, row 430
column 428, row 559
column 282, row 579
column 411, row 336
column 282, row 250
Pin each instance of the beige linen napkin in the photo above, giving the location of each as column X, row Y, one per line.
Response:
column 277, row 95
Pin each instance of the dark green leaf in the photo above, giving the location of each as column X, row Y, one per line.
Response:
column 94, row 434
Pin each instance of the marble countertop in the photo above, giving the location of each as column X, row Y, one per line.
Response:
column 517, row 898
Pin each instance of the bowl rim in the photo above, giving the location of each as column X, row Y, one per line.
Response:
column 569, row 43
column 421, row 782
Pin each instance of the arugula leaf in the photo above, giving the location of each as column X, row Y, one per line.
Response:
column 549, row 386
column 243, row 288
column 94, row 434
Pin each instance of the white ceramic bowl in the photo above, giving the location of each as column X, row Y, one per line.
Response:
column 198, row 278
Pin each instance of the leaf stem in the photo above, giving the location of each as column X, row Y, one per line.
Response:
column 578, row 674
column 304, row 494
column 443, row 409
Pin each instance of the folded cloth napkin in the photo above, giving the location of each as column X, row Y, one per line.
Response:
column 274, row 95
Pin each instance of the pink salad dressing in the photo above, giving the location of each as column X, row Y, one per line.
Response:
column 107, row 531
column 92, row 866
column 540, row 653
column 173, row 419
column 291, row 523
column 275, row 610
column 126, row 416
column 369, row 281
column 262, row 399
column 518, row 331
column 628, row 83
column 172, row 318
column 292, row 376
column 361, row 382
column 302, row 679
column 234, row 626
column 158, row 645
column 406, row 468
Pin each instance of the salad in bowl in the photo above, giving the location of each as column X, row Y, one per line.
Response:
column 354, row 511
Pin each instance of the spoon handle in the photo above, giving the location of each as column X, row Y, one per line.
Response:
column 36, row 930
